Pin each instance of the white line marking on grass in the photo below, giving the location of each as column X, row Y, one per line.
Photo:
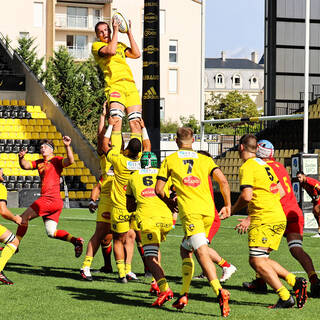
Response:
column 302, row 272
column 174, row 235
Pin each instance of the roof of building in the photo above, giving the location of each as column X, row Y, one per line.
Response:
column 218, row 63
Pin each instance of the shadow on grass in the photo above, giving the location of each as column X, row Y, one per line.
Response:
column 56, row 272
column 125, row 298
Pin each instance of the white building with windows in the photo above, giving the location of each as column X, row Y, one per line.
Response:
column 223, row 75
column 71, row 23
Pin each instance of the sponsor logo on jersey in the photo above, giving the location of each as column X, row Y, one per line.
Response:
column 274, row 188
column 187, row 154
column 191, row 181
column 148, row 171
column 125, row 188
column 124, row 217
column 148, row 192
column 133, row 165
column 115, row 94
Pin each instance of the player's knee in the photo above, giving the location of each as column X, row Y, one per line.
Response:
column 195, row 242
column 51, row 227
column 151, row 251
column 116, row 113
column 255, row 253
column 135, row 115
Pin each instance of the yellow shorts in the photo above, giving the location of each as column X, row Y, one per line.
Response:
column 133, row 223
column 154, row 229
column 2, row 230
column 266, row 235
column 124, row 92
column 196, row 223
column 104, row 207
column 120, row 220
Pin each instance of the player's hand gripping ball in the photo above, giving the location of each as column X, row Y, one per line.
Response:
column 122, row 21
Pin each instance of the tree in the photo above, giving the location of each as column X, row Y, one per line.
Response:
column 169, row 126
column 191, row 122
column 233, row 105
column 28, row 51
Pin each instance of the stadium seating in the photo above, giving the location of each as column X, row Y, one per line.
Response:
column 24, row 125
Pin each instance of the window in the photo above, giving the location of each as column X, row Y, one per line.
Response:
column 162, row 107
column 173, row 80
column 237, row 81
column 254, row 82
column 162, row 26
column 78, row 46
column 24, row 35
column 37, row 14
column 97, row 16
column 173, row 51
column 77, row 17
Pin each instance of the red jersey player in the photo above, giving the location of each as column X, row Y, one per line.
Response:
column 49, row 205
column 295, row 221
column 312, row 186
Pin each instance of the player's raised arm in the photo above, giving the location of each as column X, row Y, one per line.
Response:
column 24, row 164
column 106, row 146
column 70, row 159
column 133, row 52
column 146, row 143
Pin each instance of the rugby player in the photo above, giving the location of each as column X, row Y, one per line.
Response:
column 103, row 227
column 123, row 164
column 6, row 236
column 260, row 192
column 312, row 186
column 295, row 222
column 189, row 172
column 153, row 218
column 49, row 205
column 120, row 89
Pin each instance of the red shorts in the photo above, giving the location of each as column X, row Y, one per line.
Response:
column 48, row 208
column 215, row 226
column 295, row 220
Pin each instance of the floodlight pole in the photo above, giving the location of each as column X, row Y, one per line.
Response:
column 203, row 53
column 306, row 80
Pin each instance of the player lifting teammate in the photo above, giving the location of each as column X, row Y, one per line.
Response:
column 189, row 172
column 260, row 192
column 49, row 205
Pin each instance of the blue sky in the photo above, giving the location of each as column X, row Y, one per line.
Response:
column 234, row 26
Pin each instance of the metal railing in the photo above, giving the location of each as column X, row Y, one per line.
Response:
column 66, row 21
column 79, row 53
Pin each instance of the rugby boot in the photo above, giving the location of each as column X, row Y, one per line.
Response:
column 154, row 289
column 163, row 297
column 300, row 291
column 78, row 247
column 181, row 302
column 227, row 272
column 4, row 279
column 86, row 274
column 223, row 300
column 283, row 304
column 256, row 285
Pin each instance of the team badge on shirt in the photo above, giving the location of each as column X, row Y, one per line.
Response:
column 264, row 240
column 149, row 235
column 191, row 227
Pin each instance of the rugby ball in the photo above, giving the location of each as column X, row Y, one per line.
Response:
column 122, row 21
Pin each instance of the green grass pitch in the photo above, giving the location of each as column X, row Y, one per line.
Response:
column 47, row 283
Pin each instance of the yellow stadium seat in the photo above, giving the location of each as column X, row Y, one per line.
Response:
column 86, row 171
column 79, row 195
column 92, row 179
column 4, row 156
column 3, row 164
column 77, row 172
column 21, row 103
column 87, row 194
column 89, row 186
column 80, row 164
column 6, row 102
column 52, row 128
column 39, row 122
column 44, row 128
column 84, row 179
column 72, row 195
column 29, row 128
column 47, row 122
column 76, row 157
column 62, row 194
column 14, row 102
column 35, row 135
column 0, row 102
column 36, row 109
column 15, row 171
column 57, row 135
column 24, row 122
column 7, row 171
column 50, row 135
column 30, row 109
column 3, row 121
column 33, row 122
column 37, row 128
column 43, row 135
